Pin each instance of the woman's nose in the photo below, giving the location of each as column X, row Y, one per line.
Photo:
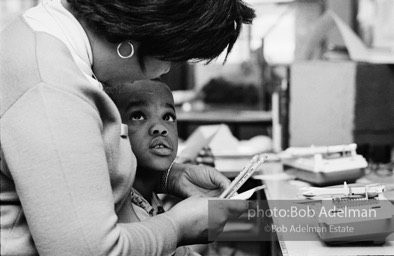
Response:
column 158, row 129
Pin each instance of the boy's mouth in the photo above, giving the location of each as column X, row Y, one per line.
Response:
column 159, row 143
column 161, row 147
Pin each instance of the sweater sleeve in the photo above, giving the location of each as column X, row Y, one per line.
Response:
column 54, row 147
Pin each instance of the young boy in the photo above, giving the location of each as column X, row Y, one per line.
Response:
column 147, row 108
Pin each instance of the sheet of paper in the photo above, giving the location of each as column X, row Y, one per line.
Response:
column 199, row 139
column 357, row 49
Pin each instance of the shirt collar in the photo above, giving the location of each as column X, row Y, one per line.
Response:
column 53, row 18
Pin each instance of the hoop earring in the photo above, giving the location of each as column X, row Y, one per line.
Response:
column 127, row 56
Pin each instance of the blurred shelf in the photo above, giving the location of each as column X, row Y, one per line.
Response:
column 238, row 120
column 225, row 116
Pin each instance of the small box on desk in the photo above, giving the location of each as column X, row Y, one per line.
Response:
column 325, row 178
column 324, row 166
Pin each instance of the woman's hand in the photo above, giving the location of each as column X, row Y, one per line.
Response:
column 201, row 219
column 187, row 180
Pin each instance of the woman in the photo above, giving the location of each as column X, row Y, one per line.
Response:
column 67, row 169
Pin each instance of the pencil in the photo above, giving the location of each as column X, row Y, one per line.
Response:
column 247, row 175
column 240, row 175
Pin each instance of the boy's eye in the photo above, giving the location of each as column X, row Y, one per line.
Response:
column 169, row 117
column 136, row 116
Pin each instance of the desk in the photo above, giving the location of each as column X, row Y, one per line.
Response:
column 234, row 118
column 281, row 186
column 285, row 189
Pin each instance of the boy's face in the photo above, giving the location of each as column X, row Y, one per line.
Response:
column 147, row 107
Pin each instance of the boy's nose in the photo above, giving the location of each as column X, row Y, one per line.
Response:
column 158, row 129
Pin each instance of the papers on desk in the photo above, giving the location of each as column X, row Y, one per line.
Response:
column 222, row 143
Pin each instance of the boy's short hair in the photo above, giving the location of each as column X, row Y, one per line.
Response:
column 113, row 91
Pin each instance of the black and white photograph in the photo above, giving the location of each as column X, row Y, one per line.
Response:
column 196, row 127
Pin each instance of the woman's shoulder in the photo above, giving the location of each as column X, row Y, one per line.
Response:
column 30, row 59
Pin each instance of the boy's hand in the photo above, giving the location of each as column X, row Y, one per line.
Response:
column 187, row 180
